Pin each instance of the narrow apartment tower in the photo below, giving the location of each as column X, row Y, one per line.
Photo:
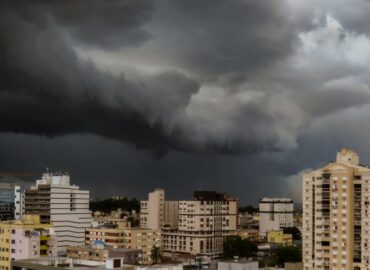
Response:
column 156, row 212
column 336, row 215
column 63, row 204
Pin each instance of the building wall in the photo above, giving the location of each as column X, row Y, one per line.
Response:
column 171, row 214
column 18, row 204
column 275, row 214
column 231, row 265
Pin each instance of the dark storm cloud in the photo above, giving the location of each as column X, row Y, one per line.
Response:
column 229, row 40
column 47, row 89
column 182, row 78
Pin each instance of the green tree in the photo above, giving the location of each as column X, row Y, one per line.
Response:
column 248, row 209
column 156, row 254
column 295, row 232
column 108, row 205
column 288, row 254
column 236, row 246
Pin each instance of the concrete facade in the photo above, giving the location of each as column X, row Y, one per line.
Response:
column 275, row 214
column 203, row 224
column 336, row 215
column 156, row 212
column 63, row 204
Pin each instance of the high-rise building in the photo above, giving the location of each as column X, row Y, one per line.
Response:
column 275, row 214
column 25, row 239
column 63, row 204
column 203, row 224
column 156, row 212
column 336, row 215
column 10, row 201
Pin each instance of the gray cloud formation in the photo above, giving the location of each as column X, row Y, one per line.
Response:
column 186, row 77
column 48, row 89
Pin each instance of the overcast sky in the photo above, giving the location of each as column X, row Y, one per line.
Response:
column 237, row 96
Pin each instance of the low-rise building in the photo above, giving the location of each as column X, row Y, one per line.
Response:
column 249, row 234
column 117, row 236
column 100, row 252
column 279, row 237
column 61, row 263
column 27, row 238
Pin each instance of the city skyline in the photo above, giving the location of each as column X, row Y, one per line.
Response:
column 241, row 97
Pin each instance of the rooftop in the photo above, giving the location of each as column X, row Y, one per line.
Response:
column 277, row 200
column 61, row 263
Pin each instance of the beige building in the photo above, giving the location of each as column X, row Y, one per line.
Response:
column 25, row 239
column 156, row 212
column 102, row 253
column 336, row 217
column 249, row 234
column 203, row 224
column 126, row 237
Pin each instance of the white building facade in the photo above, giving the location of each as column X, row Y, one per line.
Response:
column 275, row 214
column 63, row 204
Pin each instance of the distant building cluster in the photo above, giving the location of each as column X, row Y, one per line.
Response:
column 50, row 225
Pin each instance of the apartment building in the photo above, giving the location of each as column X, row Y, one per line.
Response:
column 336, row 215
column 116, row 236
column 156, row 212
column 10, row 201
column 203, row 224
column 25, row 239
column 63, row 204
column 275, row 214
